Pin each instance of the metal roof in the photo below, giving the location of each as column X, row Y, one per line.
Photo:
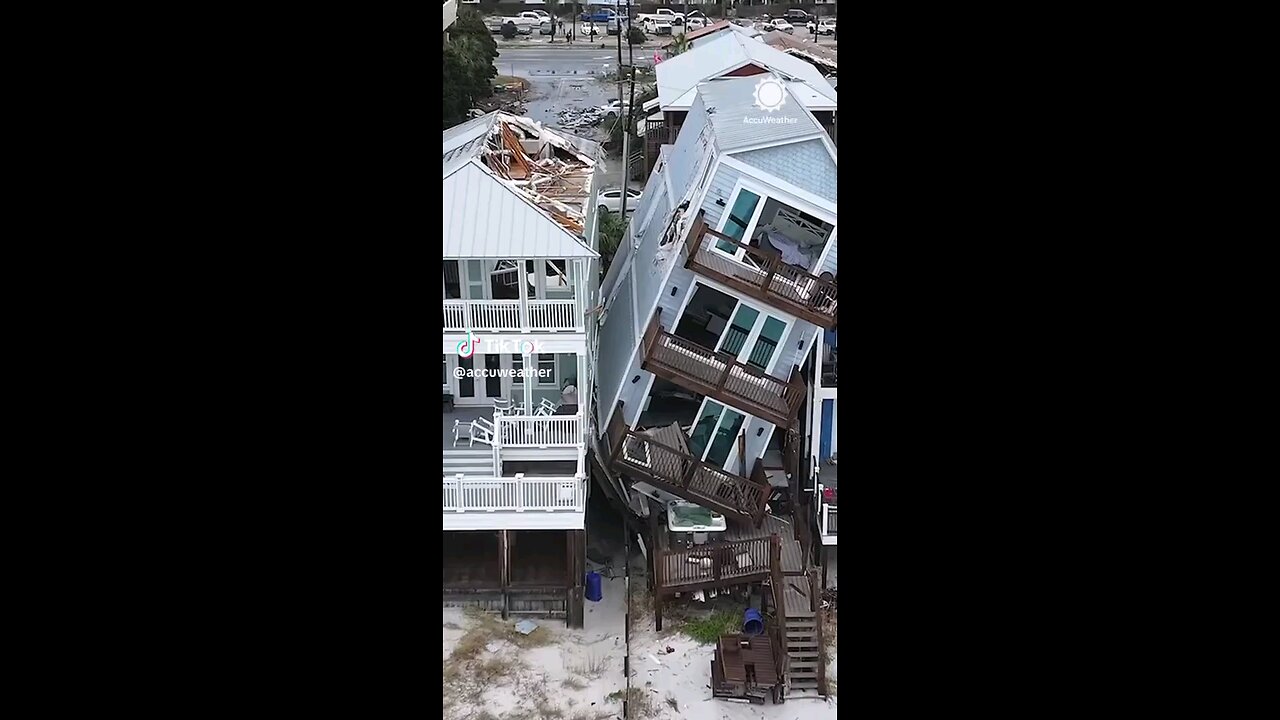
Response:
column 485, row 217
column 450, row 12
column 714, row 28
column 810, row 98
column 736, row 121
column 729, row 51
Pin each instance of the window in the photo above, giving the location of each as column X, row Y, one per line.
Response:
column 740, row 215
column 445, row 374
column 547, row 370
column 517, row 367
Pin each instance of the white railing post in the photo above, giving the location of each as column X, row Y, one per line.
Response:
column 457, row 493
column 519, row 486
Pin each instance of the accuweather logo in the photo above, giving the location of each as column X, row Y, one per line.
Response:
column 770, row 94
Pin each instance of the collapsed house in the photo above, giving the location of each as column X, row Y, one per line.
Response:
column 521, row 277
column 822, row 58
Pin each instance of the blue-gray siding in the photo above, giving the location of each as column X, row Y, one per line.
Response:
column 617, row 341
column 807, row 165
column 721, row 189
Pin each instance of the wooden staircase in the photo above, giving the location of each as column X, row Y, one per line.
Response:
column 806, row 668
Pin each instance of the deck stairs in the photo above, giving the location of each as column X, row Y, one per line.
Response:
column 476, row 461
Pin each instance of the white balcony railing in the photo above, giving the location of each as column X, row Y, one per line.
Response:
column 509, row 316
column 518, row 494
column 828, row 519
column 539, row 431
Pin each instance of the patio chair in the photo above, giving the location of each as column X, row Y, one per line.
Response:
column 502, row 405
column 481, row 430
column 545, row 407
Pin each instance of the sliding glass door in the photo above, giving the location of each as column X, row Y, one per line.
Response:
column 714, row 433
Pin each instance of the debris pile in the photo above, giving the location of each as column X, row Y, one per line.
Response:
column 553, row 170
column 581, row 117
column 829, row 599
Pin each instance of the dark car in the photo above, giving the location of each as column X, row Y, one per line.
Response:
column 796, row 15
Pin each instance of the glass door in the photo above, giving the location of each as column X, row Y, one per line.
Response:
column 475, row 280
column 752, row 337
column 715, row 432
column 742, row 215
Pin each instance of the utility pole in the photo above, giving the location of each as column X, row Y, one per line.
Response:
column 626, row 112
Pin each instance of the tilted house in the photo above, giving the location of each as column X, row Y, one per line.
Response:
column 713, row 308
column 728, row 54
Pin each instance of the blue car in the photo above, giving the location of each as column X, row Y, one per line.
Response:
column 598, row 16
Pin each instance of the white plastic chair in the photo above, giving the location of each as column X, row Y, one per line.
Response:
column 481, row 430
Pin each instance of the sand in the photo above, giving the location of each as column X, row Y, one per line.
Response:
column 572, row 676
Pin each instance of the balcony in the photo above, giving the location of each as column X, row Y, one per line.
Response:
column 763, row 275
column 518, row 503
column 827, row 514
column 661, row 457
column 721, row 377
column 538, row 431
column 512, row 316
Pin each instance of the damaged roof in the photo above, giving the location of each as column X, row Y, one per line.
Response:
column 679, row 76
column 822, row 57
column 514, row 188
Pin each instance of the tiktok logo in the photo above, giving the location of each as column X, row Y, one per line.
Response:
column 467, row 347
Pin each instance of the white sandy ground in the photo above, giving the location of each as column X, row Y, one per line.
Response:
column 683, row 675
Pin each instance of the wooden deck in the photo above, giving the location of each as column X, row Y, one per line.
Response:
column 792, row 556
column 660, row 456
column 721, row 377
column 764, row 276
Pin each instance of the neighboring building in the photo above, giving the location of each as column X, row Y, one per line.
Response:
column 713, row 306
column 820, row 451
column 521, row 279
column 450, row 15
column 728, row 54
column 714, row 30
column 822, row 58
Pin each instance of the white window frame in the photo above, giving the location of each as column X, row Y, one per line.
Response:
column 538, row 364
column 788, row 322
column 766, row 193
column 746, row 421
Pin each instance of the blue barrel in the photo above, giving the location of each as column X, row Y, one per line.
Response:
column 595, row 589
column 752, row 623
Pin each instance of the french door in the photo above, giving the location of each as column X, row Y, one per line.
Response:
column 714, row 436
column 752, row 336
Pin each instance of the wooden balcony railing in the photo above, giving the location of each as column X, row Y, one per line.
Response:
column 715, row 564
column 763, row 275
column 721, row 376
column 683, row 475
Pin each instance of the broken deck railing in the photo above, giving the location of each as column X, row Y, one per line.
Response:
column 762, row 274
column 685, row 476
column 721, row 376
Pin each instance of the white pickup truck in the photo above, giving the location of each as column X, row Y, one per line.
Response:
column 525, row 22
column 659, row 22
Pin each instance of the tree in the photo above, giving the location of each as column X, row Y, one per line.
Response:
column 468, row 66
column 612, row 227
column 635, row 36
column 678, row 45
column 508, row 30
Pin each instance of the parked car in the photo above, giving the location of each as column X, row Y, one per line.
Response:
column 612, row 26
column 694, row 23
column 613, row 109
column 825, row 27
column 782, row 26
column 600, row 15
column 796, row 15
column 548, row 27
column 656, row 26
column 611, row 200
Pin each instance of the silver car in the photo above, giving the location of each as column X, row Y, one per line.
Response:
column 611, row 200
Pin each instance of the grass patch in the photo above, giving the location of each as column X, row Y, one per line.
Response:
column 639, row 703
column 593, row 668
column 470, row 669
column 708, row 628
column 673, row 703
column 573, row 683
